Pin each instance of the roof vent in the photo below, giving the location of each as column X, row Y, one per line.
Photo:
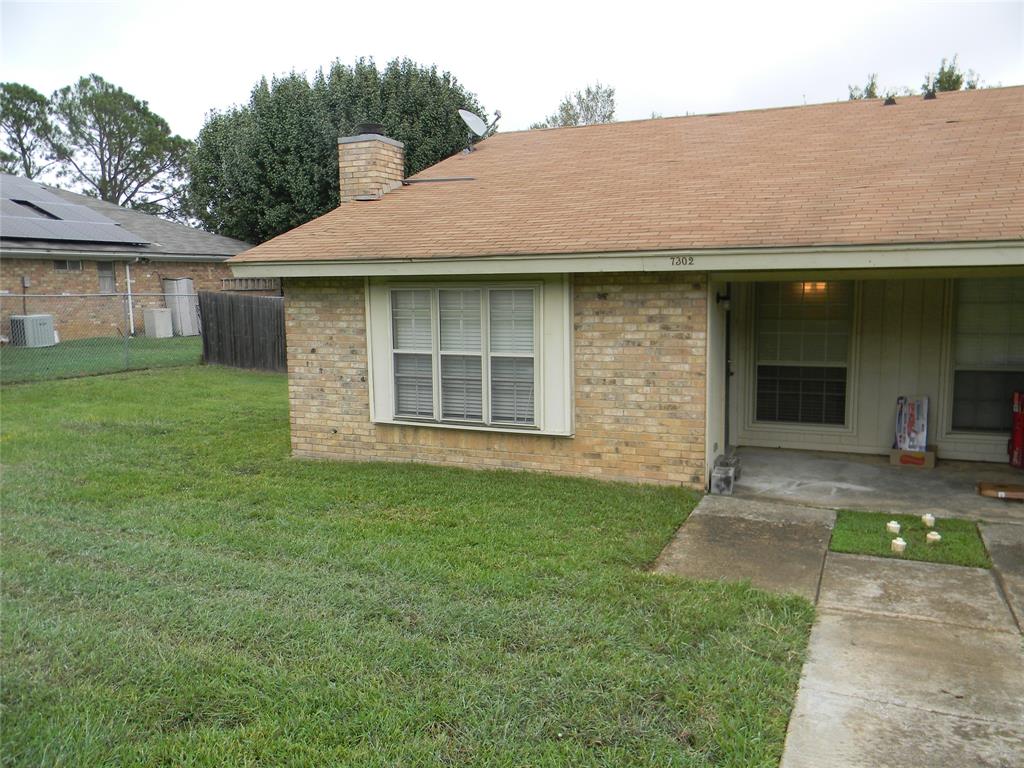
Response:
column 890, row 101
column 929, row 94
column 374, row 128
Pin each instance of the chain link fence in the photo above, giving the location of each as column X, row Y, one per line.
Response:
column 47, row 336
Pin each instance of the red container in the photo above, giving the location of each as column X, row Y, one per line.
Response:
column 1016, row 445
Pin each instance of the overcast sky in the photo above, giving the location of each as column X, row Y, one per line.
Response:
column 520, row 57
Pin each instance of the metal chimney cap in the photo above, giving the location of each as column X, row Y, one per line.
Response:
column 369, row 128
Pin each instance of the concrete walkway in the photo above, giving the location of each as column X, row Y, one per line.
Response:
column 778, row 547
column 909, row 664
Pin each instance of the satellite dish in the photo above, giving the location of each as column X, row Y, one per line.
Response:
column 475, row 122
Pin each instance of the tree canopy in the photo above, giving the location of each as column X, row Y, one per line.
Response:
column 948, row 78
column 594, row 104
column 869, row 91
column 269, row 165
column 26, row 127
column 98, row 137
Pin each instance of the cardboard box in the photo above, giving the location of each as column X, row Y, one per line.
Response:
column 917, row 459
column 996, row 491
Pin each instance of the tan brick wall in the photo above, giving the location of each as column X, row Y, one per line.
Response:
column 370, row 167
column 639, row 346
column 79, row 318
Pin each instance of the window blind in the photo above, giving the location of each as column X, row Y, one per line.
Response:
column 480, row 364
column 461, row 387
column 460, row 320
column 414, row 385
column 512, row 321
column 411, row 331
column 106, row 275
column 461, row 374
column 512, row 367
column 410, row 317
column 512, row 390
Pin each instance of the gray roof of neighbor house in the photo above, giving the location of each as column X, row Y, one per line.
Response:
column 39, row 220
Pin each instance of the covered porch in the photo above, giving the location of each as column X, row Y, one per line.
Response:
column 859, row 481
column 805, row 368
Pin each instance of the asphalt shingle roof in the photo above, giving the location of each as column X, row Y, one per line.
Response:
column 847, row 173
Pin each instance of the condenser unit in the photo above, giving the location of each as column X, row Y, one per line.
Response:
column 32, row 331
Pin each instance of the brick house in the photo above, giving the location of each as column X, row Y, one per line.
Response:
column 56, row 244
column 630, row 301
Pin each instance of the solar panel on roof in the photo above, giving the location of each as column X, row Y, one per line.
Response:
column 72, row 212
column 26, row 208
column 24, row 228
column 11, row 208
column 18, row 188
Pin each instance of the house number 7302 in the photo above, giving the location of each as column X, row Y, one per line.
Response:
column 682, row 261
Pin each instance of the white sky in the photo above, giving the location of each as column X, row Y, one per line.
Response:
column 518, row 56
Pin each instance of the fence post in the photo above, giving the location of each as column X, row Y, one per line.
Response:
column 126, row 300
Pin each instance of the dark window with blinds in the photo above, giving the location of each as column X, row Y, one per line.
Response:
column 802, row 334
column 464, row 354
column 988, row 353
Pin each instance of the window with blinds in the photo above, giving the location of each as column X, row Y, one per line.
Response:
column 511, row 350
column 105, row 270
column 464, row 354
column 412, row 341
column 988, row 352
column 802, row 349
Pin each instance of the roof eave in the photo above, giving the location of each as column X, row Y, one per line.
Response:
column 806, row 258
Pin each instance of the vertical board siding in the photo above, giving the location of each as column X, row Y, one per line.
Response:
column 243, row 331
column 899, row 344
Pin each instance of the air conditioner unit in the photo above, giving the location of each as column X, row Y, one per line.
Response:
column 32, row 331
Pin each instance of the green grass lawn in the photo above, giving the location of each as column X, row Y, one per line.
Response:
column 177, row 591
column 86, row 357
column 863, row 533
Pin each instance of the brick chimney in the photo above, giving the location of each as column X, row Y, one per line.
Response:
column 369, row 163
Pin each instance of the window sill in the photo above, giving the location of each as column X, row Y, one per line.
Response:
column 504, row 429
column 796, row 426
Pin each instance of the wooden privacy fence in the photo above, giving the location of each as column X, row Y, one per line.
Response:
column 243, row 331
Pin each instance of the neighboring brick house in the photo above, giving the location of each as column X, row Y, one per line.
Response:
column 630, row 301
column 63, row 244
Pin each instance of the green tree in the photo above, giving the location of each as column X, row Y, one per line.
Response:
column 112, row 144
column 268, row 166
column 869, row 91
column 25, row 127
column 950, row 78
column 594, row 104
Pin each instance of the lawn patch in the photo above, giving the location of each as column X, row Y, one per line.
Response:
column 88, row 357
column 863, row 533
column 178, row 591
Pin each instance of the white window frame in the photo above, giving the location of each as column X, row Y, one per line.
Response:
column 851, row 357
column 552, row 354
column 67, row 265
column 743, row 410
